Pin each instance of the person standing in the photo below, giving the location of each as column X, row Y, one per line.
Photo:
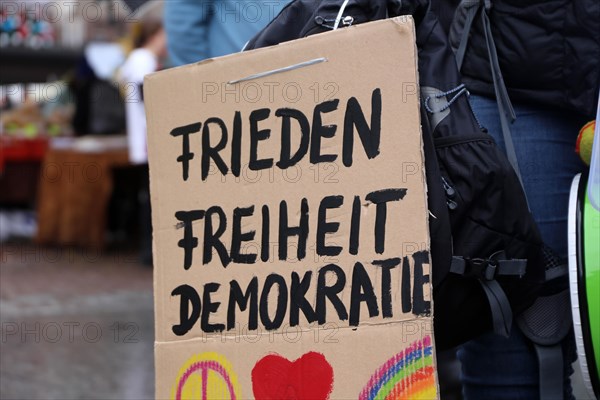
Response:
column 150, row 48
column 537, row 63
column 197, row 30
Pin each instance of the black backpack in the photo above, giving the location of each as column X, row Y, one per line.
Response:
column 487, row 257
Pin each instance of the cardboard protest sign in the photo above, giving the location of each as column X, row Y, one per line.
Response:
column 290, row 222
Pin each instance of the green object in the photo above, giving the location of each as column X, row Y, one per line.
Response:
column 591, row 239
column 30, row 131
column 584, row 276
column 11, row 128
column 54, row 129
column 585, row 141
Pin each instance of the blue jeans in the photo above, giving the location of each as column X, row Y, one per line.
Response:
column 494, row 367
column 544, row 141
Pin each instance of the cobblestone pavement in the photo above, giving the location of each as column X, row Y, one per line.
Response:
column 75, row 324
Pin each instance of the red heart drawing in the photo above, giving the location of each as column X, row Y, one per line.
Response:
column 308, row 378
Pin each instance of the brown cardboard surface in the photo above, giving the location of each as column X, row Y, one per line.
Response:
column 355, row 357
column 374, row 300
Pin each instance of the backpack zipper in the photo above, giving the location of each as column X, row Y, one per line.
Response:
column 450, row 194
column 447, row 141
column 348, row 20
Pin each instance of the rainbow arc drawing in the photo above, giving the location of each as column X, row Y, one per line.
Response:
column 410, row 374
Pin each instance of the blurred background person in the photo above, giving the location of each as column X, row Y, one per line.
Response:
column 210, row 28
column 149, row 49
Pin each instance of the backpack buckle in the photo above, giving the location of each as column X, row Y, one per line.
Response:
column 481, row 268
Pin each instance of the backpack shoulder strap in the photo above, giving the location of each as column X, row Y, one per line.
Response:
column 486, row 271
column 461, row 27
column 459, row 32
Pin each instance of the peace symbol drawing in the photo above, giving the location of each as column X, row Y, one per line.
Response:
column 206, row 376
